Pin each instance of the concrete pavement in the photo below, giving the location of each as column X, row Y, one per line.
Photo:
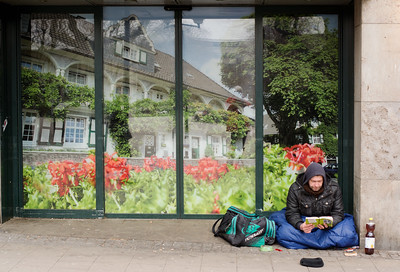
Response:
column 155, row 245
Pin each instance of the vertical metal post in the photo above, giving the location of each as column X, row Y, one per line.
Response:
column 179, row 114
column 15, row 180
column 98, row 68
column 346, row 107
column 259, row 111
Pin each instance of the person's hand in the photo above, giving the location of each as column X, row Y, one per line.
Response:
column 324, row 226
column 306, row 228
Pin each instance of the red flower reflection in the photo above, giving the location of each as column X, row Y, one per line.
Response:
column 303, row 155
column 64, row 175
column 208, row 170
column 116, row 172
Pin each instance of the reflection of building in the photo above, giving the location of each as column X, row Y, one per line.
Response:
column 133, row 67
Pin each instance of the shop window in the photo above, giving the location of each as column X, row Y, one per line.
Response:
column 74, row 130
column 215, row 145
column 32, row 66
column 316, row 139
column 143, row 57
column 163, row 141
column 186, row 145
column 130, row 53
column 123, row 89
column 77, row 78
column 92, row 133
column 127, row 51
column 159, row 96
column 29, row 125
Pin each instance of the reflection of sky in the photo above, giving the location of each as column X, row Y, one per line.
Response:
column 202, row 42
column 332, row 20
column 202, row 45
column 204, row 29
column 158, row 23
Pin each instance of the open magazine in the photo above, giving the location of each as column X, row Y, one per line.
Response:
column 320, row 220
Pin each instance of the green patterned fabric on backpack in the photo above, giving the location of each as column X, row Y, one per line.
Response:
column 241, row 228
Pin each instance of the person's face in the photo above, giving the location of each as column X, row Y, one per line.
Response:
column 316, row 183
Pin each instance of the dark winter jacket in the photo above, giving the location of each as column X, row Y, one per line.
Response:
column 300, row 202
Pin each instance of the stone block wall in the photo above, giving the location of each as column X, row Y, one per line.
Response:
column 39, row 157
column 377, row 119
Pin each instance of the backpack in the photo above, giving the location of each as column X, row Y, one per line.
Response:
column 241, row 228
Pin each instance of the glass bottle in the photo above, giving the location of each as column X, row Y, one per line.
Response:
column 370, row 237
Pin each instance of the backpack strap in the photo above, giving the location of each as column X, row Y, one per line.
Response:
column 216, row 233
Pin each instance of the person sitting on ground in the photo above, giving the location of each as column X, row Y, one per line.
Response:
column 314, row 194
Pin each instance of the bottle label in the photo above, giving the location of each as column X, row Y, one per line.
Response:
column 369, row 242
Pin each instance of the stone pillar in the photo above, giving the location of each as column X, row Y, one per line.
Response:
column 60, row 72
column 377, row 119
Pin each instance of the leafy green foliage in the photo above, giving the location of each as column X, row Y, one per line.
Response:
column 330, row 143
column 39, row 193
column 53, row 96
column 277, row 178
column 145, row 192
column 300, row 76
column 117, row 111
column 238, row 125
column 145, row 107
column 152, row 188
column 198, row 196
column 205, row 113
column 237, row 188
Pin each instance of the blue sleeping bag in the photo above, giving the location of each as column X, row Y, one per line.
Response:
column 342, row 235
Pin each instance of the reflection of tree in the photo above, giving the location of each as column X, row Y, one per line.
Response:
column 117, row 114
column 300, row 75
column 330, row 143
column 237, row 124
column 52, row 96
column 237, row 66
